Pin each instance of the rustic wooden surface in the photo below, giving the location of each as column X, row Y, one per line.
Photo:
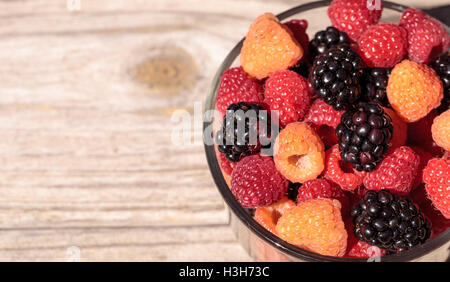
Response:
column 87, row 161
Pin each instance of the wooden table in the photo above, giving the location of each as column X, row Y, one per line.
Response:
column 88, row 167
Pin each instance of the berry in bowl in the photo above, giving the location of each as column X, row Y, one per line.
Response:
column 330, row 142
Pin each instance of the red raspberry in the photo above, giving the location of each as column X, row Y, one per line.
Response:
column 298, row 28
column 360, row 249
column 320, row 113
column 426, row 36
column 256, row 182
column 237, row 86
column 395, row 173
column 323, row 189
column 340, row 172
column 324, row 119
column 436, row 176
column 383, row 45
column 353, row 16
column 288, row 93
column 424, row 158
column 438, row 222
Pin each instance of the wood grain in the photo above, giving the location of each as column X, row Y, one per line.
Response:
column 85, row 126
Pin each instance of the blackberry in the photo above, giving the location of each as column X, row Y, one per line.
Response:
column 375, row 82
column 244, row 127
column 336, row 75
column 442, row 67
column 292, row 191
column 364, row 135
column 389, row 222
column 325, row 39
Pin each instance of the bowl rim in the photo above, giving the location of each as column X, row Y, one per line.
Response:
column 243, row 215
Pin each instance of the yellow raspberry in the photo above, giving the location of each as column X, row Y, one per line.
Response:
column 440, row 130
column 268, row 47
column 315, row 225
column 268, row 216
column 414, row 90
column 299, row 153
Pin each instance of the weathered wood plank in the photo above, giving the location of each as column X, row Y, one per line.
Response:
column 212, row 243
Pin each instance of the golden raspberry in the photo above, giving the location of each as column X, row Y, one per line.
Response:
column 414, row 90
column 268, row 47
column 299, row 153
column 268, row 216
column 315, row 225
column 440, row 130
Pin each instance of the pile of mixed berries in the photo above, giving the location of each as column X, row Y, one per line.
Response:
column 340, row 145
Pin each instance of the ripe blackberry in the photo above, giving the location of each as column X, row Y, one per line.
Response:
column 375, row 81
column 243, row 130
column 442, row 67
column 389, row 222
column 336, row 75
column 325, row 39
column 364, row 135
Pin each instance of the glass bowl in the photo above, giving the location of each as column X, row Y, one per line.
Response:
column 261, row 244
